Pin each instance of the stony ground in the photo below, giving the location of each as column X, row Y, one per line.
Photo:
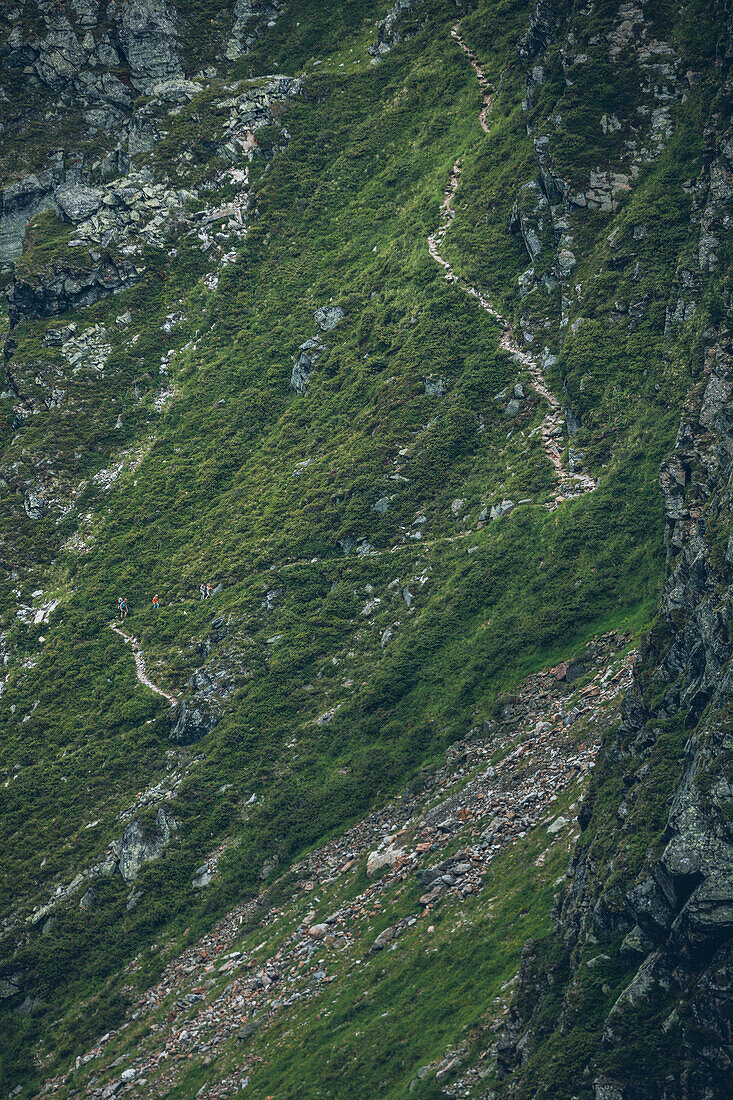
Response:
column 496, row 785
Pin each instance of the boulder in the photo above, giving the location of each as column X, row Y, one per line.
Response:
column 327, row 317
column 76, row 202
column 138, row 847
column 379, row 860
column 202, row 877
column 501, row 509
column 383, row 939
column 35, row 503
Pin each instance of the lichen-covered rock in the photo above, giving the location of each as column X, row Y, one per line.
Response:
column 327, row 317
column 19, row 202
column 138, row 846
column 148, row 32
column 78, row 202
column 304, row 364
column 250, row 17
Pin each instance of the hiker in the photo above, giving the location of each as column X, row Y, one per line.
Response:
column 156, row 603
column 123, row 608
column 202, row 590
column 208, row 591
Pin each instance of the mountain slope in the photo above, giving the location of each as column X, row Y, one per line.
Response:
column 232, row 358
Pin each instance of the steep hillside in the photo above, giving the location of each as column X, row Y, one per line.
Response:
column 380, row 321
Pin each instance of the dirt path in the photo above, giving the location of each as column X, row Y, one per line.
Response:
column 551, row 428
column 140, row 665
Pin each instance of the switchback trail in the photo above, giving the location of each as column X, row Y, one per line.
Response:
column 551, row 428
column 140, row 665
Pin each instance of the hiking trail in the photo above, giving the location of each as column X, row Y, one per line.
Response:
column 551, row 429
column 140, row 669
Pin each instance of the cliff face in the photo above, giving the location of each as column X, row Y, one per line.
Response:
column 364, row 336
column 650, row 895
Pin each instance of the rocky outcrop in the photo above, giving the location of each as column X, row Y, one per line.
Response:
column 713, row 196
column 250, row 18
column 19, row 202
column 677, row 916
column 388, row 32
column 327, row 317
column 139, row 846
column 65, row 286
column 148, row 35
column 542, row 23
column 191, row 724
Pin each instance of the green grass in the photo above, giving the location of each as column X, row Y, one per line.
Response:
column 342, row 214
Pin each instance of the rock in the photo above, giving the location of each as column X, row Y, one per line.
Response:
column 636, row 944
column 246, row 1031
column 383, row 939
column 327, row 317
column 19, row 202
column 250, row 16
column 77, row 202
column 573, row 422
column 62, row 287
column 148, row 37
column 510, row 400
column 599, row 960
column 558, row 824
column 138, row 847
column 379, row 860
column 381, row 505
column 566, row 262
column 318, row 931
column 35, row 503
column 387, row 33
column 304, row 365
column 176, row 90
column 501, row 509
column 61, row 55
column 191, row 724
column 650, row 907
column 202, row 877
column 434, row 387
column 604, row 1089
column 449, row 1070
column 88, row 900
column 542, row 23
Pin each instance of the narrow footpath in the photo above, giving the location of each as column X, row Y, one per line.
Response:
column 570, row 485
column 140, row 669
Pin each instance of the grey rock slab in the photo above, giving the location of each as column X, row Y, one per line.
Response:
column 327, row 317
column 78, row 202
column 138, row 847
